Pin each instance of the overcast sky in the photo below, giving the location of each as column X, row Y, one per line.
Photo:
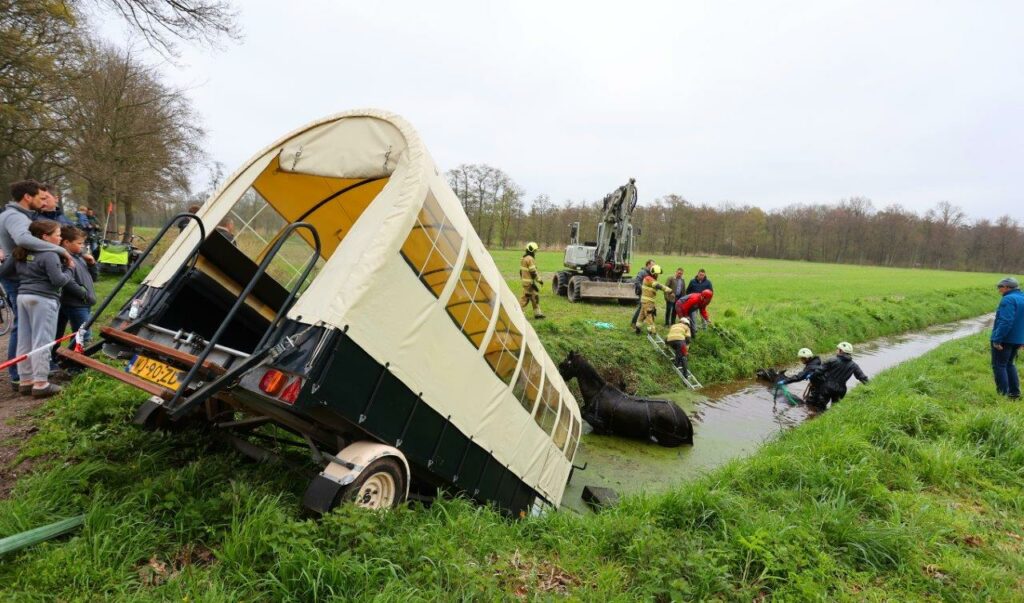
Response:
column 761, row 103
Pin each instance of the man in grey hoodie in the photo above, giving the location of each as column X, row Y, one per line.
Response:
column 27, row 199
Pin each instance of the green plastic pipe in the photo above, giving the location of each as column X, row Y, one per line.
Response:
column 37, row 535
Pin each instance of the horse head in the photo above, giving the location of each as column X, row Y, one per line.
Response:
column 569, row 367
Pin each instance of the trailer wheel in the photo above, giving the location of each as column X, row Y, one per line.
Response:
column 574, row 288
column 380, row 486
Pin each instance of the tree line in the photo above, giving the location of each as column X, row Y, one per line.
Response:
column 850, row 231
column 90, row 118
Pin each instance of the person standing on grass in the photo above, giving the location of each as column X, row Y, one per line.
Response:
column 676, row 288
column 51, row 209
column 638, row 284
column 74, row 307
column 700, row 283
column 648, row 295
column 531, row 280
column 14, row 231
column 1008, row 338
column 42, row 276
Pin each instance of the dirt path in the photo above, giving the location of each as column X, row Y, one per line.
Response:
column 16, row 427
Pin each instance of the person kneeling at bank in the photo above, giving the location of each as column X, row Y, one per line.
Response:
column 648, row 293
column 678, row 339
column 828, row 382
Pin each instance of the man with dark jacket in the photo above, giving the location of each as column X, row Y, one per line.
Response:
column 27, row 199
column 1008, row 337
column 811, row 364
column 829, row 380
column 676, row 288
column 700, row 283
column 638, row 284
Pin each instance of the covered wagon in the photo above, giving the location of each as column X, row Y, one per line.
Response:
column 334, row 287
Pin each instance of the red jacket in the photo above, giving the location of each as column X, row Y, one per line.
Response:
column 687, row 303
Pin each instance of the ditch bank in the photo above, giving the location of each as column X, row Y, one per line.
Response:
column 732, row 420
column 766, row 335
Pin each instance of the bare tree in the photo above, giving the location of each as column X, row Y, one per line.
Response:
column 164, row 23
column 133, row 140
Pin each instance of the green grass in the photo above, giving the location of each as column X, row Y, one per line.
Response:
column 911, row 489
column 772, row 307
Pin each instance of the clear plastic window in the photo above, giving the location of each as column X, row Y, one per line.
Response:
column 432, row 246
column 562, row 429
column 504, row 347
column 574, row 437
column 527, row 385
column 472, row 302
column 547, row 408
column 253, row 226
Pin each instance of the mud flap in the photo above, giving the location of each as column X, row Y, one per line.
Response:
column 320, row 495
column 151, row 415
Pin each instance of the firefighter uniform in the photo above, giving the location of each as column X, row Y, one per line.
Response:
column 648, row 307
column 678, row 339
column 531, row 284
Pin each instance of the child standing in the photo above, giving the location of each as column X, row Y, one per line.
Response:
column 41, row 275
column 74, row 306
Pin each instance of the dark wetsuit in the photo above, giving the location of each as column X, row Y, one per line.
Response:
column 828, row 383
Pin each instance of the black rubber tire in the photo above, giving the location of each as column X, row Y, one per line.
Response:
column 555, row 282
column 574, row 288
column 377, row 474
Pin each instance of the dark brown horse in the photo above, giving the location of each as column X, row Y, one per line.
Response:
column 612, row 412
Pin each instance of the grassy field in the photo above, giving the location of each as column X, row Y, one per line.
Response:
column 911, row 489
column 771, row 307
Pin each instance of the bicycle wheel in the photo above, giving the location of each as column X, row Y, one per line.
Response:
column 6, row 316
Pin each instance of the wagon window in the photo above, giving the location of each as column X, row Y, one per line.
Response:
column 574, row 439
column 432, row 246
column 547, row 408
column 503, row 349
column 528, row 383
column 472, row 302
column 562, row 430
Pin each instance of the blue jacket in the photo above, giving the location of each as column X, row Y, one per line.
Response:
column 1009, row 324
column 696, row 286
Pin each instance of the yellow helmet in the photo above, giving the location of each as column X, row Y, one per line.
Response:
column 655, row 270
column 531, row 247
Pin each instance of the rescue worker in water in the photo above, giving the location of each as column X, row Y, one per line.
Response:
column 828, row 383
column 531, row 280
column 811, row 363
column 648, row 293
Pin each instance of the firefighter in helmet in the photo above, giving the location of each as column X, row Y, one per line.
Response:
column 648, row 294
column 531, row 280
column 678, row 339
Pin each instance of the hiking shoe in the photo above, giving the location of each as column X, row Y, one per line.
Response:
column 539, row 316
column 15, row 385
column 25, row 389
column 45, row 392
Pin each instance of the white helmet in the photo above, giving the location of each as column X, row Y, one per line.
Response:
column 805, row 353
column 684, row 320
column 845, row 347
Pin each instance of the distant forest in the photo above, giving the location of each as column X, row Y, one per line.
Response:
column 851, row 231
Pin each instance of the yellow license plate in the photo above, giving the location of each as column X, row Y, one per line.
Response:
column 155, row 371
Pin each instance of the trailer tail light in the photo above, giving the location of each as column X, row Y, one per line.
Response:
column 273, row 381
column 291, row 393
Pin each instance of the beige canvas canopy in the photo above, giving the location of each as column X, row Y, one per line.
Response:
column 405, row 273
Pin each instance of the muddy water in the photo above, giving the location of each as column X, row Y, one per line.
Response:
column 732, row 420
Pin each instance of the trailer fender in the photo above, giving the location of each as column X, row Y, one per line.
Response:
column 324, row 488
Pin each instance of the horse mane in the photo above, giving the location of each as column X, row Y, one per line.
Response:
column 587, row 370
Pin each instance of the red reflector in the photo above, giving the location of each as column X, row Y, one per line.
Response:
column 291, row 393
column 273, row 381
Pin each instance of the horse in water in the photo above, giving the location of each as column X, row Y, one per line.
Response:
column 612, row 412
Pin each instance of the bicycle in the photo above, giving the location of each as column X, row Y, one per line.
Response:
column 6, row 313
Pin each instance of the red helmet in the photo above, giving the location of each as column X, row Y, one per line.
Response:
column 706, row 295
